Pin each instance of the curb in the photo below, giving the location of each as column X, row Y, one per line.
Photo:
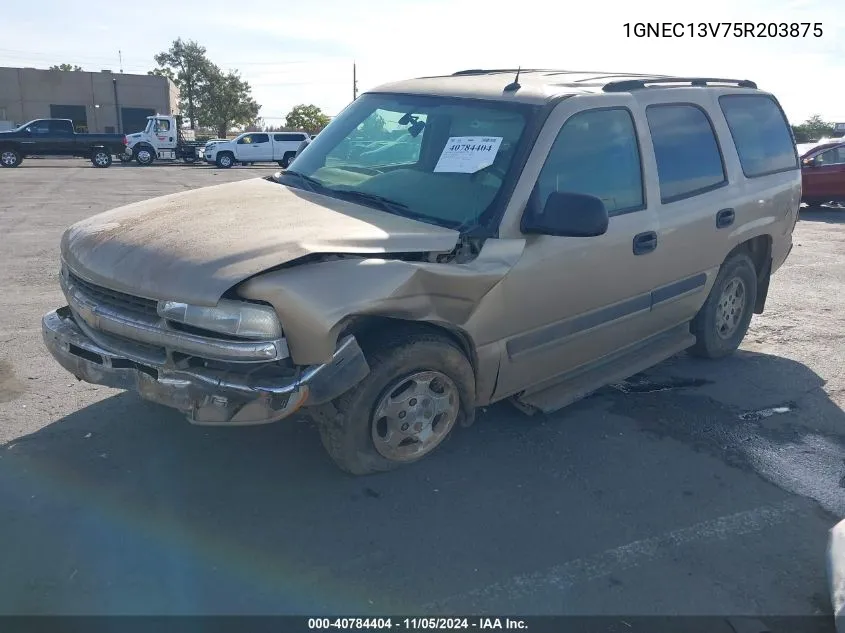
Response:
column 836, row 573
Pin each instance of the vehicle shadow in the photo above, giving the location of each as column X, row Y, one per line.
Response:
column 123, row 507
column 830, row 215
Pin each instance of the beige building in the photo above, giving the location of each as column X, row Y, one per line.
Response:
column 96, row 102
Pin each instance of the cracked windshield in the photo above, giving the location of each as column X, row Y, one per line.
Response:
column 437, row 160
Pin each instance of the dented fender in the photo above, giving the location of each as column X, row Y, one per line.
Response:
column 314, row 300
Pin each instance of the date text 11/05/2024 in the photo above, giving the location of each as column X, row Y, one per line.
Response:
column 723, row 29
column 423, row 623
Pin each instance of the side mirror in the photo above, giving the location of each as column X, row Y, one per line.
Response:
column 809, row 162
column 568, row 215
column 29, row 130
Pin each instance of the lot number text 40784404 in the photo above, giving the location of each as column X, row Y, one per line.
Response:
column 423, row 623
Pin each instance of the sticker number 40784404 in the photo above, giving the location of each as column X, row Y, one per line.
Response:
column 468, row 154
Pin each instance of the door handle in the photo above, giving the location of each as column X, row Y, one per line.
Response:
column 645, row 242
column 724, row 218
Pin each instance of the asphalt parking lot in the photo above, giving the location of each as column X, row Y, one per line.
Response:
column 699, row 487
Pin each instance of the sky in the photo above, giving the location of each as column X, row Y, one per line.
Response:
column 294, row 53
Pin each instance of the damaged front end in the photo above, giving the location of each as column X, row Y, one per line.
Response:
column 121, row 341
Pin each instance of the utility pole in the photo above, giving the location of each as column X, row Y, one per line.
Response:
column 354, row 81
column 120, row 55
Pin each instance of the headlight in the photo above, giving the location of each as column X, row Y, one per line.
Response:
column 236, row 318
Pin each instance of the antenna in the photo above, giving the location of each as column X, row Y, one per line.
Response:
column 120, row 55
column 513, row 87
column 354, row 81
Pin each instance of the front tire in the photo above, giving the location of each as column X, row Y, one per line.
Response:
column 101, row 159
column 225, row 160
column 420, row 386
column 723, row 320
column 144, row 156
column 10, row 158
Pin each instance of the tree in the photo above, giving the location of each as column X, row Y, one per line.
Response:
column 812, row 129
column 373, row 127
column 307, row 117
column 226, row 101
column 66, row 67
column 186, row 64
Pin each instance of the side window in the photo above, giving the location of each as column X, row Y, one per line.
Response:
column 260, row 138
column 761, row 134
column 288, row 137
column 162, row 125
column 835, row 156
column 40, row 127
column 688, row 158
column 61, row 128
column 596, row 153
column 246, row 140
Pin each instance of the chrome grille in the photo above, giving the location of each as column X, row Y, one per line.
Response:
column 115, row 299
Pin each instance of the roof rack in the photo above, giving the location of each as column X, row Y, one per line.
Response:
column 639, row 84
column 492, row 71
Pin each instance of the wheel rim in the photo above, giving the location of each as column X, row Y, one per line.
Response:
column 730, row 308
column 144, row 156
column 414, row 415
column 8, row 158
column 225, row 161
column 101, row 159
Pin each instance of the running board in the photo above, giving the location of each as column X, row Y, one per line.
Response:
column 616, row 367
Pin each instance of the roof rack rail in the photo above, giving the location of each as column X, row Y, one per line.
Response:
column 490, row 71
column 639, row 84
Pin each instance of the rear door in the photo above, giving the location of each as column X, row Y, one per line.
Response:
column 63, row 138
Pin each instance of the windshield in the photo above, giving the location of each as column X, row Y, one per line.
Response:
column 436, row 159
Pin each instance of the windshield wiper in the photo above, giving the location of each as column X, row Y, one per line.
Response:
column 313, row 183
column 393, row 206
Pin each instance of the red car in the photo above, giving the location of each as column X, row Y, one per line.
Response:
column 823, row 174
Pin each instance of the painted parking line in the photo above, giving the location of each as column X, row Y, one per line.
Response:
column 617, row 559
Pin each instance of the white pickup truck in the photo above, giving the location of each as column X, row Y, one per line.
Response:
column 256, row 147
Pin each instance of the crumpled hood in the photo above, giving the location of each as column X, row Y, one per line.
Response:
column 193, row 246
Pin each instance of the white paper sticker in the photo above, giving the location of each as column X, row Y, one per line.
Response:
column 468, row 154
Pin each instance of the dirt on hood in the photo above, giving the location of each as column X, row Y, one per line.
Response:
column 194, row 246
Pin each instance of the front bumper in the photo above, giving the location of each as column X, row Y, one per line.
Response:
column 204, row 395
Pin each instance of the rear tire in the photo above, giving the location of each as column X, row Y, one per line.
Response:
column 101, row 158
column 225, row 160
column 287, row 159
column 10, row 158
column 723, row 320
column 422, row 362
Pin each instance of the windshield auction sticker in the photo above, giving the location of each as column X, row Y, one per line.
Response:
column 468, row 154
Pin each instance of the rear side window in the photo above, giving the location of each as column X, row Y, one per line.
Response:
column 761, row 134
column 288, row 137
column 596, row 153
column 689, row 161
column 260, row 138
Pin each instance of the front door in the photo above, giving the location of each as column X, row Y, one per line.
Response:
column 254, row 148
column 572, row 300
column 164, row 134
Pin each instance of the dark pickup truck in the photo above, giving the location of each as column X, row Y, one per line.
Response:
column 56, row 137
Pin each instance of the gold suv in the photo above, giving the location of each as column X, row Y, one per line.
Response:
column 445, row 243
